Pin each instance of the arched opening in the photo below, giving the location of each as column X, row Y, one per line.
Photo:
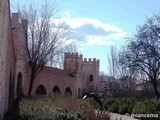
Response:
column 79, row 93
column 56, row 90
column 19, row 85
column 68, row 92
column 91, row 78
column 41, row 90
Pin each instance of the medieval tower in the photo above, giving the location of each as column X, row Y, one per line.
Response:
column 88, row 67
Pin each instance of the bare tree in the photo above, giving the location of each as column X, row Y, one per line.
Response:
column 45, row 38
column 143, row 52
column 112, row 61
column 58, row 60
column 112, row 67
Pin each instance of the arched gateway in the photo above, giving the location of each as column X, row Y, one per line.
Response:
column 56, row 90
column 68, row 92
column 19, row 85
column 41, row 90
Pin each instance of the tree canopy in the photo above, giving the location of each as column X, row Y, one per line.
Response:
column 142, row 53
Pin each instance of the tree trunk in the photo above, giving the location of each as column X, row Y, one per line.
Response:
column 157, row 95
column 30, row 85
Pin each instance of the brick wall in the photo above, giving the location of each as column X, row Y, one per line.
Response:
column 7, row 59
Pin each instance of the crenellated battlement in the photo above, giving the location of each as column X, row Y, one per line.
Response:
column 74, row 55
column 91, row 60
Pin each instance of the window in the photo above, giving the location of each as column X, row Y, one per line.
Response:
column 91, row 78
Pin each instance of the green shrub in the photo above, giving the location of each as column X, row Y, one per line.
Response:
column 118, row 105
column 140, row 107
column 107, row 103
column 131, row 105
column 113, row 107
column 55, row 107
column 66, row 114
column 34, row 109
column 124, row 108
column 152, row 106
column 158, row 106
column 92, row 102
column 125, row 105
column 87, row 110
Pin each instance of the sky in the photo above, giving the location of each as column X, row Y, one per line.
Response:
column 99, row 24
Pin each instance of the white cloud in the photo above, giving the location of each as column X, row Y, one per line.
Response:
column 97, row 40
column 66, row 14
column 92, row 31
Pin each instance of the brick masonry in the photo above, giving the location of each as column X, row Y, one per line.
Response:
column 7, row 58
